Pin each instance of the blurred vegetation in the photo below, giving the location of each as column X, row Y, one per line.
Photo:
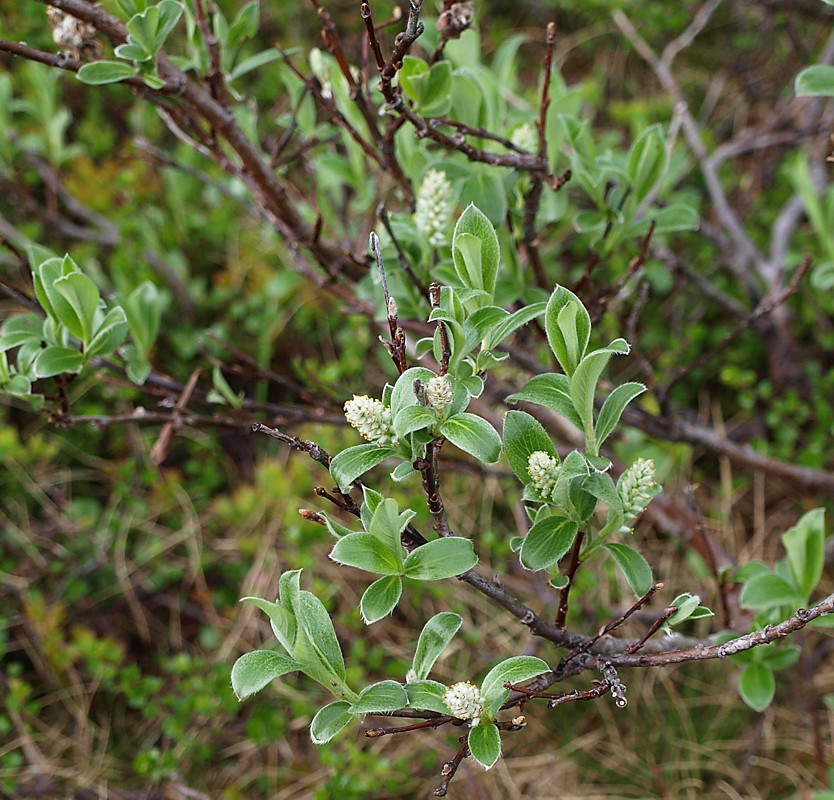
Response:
column 119, row 578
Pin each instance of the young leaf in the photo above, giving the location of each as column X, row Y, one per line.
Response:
column 636, row 569
column 365, row 551
column 329, row 721
column 757, row 686
column 805, row 545
column 434, row 639
column 513, row 322
column 613, row 407
column 109, row 334
column 387, row 525
column 475, row 251
column 56, row 361
column 380, row 698
column 413, row 418
column 473, row 435
column 282, row 619
column 336, row 528
column 552, row 391
column 512, row 670
column 523, row 436
column 348, row 465
column 252, row 671
column 576, row 324
column 646, row 160
column 440, row 558
column 82, row 297
column 403, row 393
column 547, row 541
column 427, row 696
column 380, row 598
column 485, row 744
column 583, row 385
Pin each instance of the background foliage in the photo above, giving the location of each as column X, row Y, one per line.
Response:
column 122, row 562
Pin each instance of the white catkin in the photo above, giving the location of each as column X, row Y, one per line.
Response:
column 465, row 701
column 637, row 486
column 371, row 418
column 434, row 207
column 543, row 470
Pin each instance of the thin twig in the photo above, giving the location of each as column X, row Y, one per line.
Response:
column 451, row 767
column 562, row 613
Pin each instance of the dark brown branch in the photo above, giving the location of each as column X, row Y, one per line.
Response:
column 451, row 767
column 215, row 79
column 396, row 347
column 606, row 629
column 653, row 629
column 427, row 468
column 445, row 350
column 562, row 613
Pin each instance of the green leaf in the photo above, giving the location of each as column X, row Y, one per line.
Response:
column 547, row 541
column 403, row 394
column 82, row 297
column 523, row 436
column 380, row 698
column 143, row 309
column 314, row 620
column 568, row 328
column 133, row 52
column 646, row 160
column 686, row 604
column 434, row 639
column 476, row 251
column 252, row 63
column 551, row 390
column 109, row 334
column 387, row 525
column 757, row 686
column 427, row 696
column 440, row 558
column 143, row 29
column 636, row 569
column 57, row 361
column 413, row 418
column 336, row 528
column 252, row 671
column 613, row 407
column 513, row 322
column 329, row 721
column 348, row 465
column 583, row 386
column 380, row 598
column 282, row 619
column 485, row 744
column 20, row 329
column 673, row 218
column 768, row 590
column 777, row 656
column 815, row 81
column 805, row 545
column 512, row 670
column 100, row 72
column 601, row 486
column 365, row 551
column 473, row 435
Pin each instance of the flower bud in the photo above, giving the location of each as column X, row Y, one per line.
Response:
column 526, row 138
column 434, row 207
column 543, row 470
column 371, row 418
column 439, row 393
